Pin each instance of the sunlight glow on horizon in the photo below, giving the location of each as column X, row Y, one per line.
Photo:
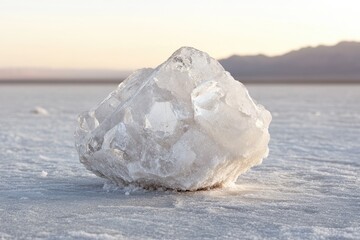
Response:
column 134, row 34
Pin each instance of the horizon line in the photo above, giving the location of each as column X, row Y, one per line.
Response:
column 85, row 81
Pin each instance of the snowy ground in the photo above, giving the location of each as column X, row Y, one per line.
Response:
column 307, row 188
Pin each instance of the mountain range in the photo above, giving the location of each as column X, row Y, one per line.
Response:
column 338, row 64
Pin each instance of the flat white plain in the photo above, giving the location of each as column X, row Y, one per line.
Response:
column 308, row 187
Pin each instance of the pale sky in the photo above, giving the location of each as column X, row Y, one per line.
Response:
column 116, row 34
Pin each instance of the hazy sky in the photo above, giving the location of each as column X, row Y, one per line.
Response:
column 142, row 33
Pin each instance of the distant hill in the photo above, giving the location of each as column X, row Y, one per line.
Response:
column 338, row 63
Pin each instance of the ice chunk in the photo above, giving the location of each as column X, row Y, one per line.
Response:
column 40, row 111
column 185, row 125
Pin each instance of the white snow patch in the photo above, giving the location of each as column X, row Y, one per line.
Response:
column 42, row 157
column 43, row 174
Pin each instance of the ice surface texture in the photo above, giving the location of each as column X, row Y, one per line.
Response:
column 185, row 125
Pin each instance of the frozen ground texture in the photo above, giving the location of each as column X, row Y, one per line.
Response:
column 186, row 125
column 308, row 188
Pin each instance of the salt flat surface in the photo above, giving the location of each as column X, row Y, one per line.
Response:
column 308, row 187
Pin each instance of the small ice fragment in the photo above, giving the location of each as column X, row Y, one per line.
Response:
column 42, row 157
column 40, row 111
column 43, row 174
column 127, row 193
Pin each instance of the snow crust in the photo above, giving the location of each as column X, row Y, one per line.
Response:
column 185, row 125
